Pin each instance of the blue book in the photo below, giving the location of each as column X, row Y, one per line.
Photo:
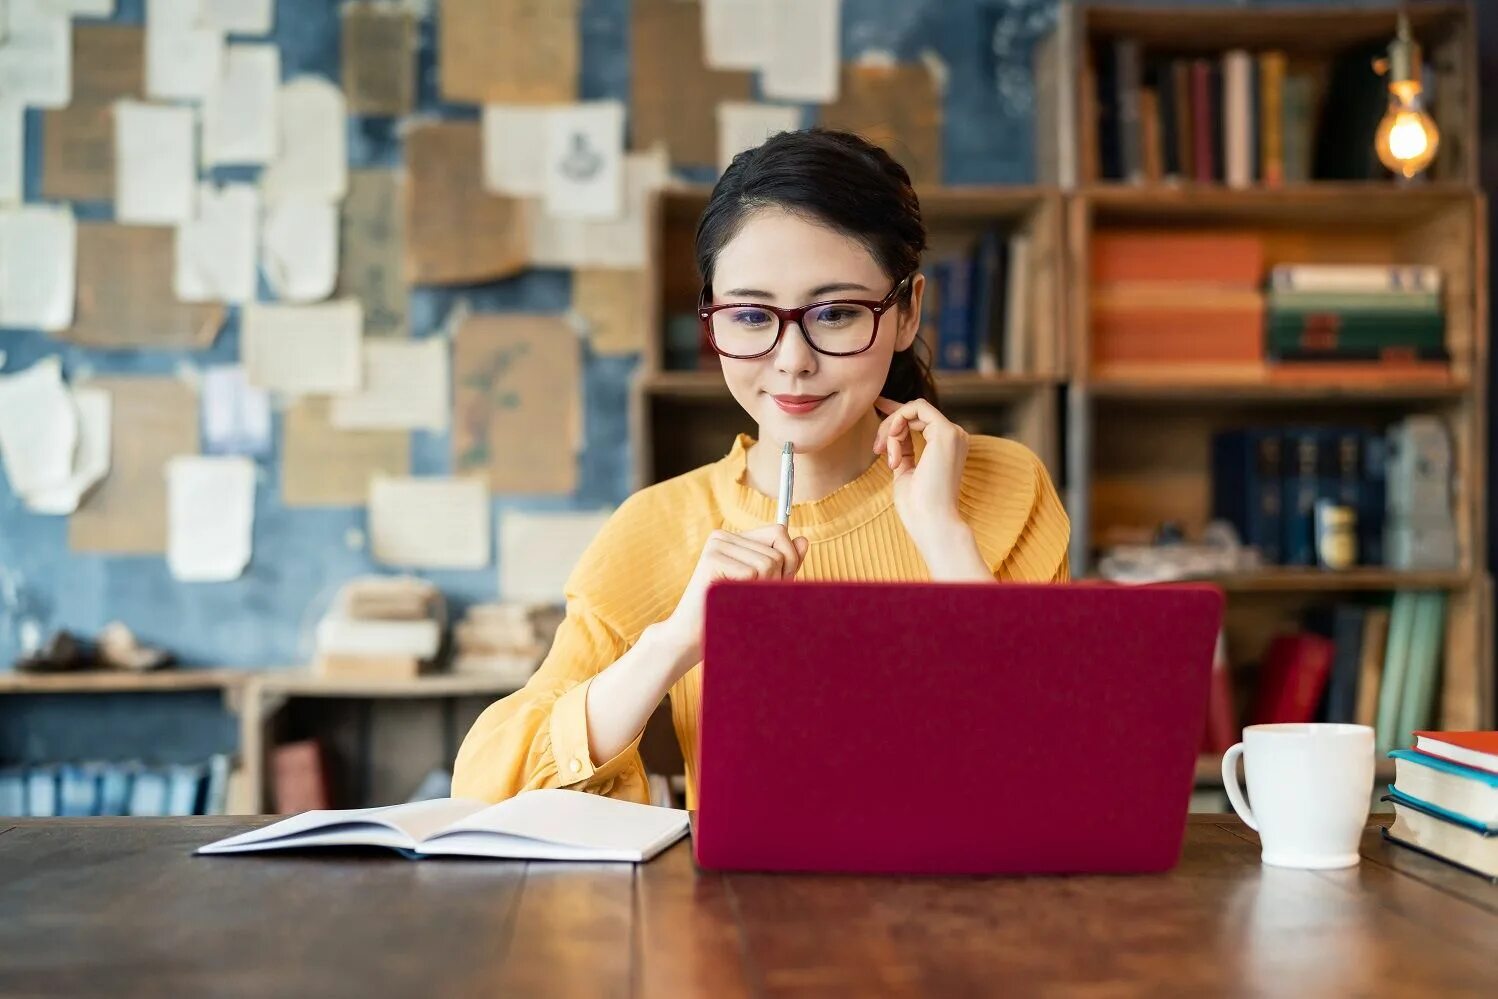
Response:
column 114, row 788
column 184, row 787
column 148, row 792
column 1371, row 504
column 1431, row 808
column 954, row 335
column 12, row 791
column 78, row 790
column 1300, row 454
column 987, row 312
column 1246, row 487
column 41, row 791
column 216, row 793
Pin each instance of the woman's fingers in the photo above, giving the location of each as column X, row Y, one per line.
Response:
column 903, row 417
column 779, row 539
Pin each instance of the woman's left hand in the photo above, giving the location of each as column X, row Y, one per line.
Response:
column 925, row 493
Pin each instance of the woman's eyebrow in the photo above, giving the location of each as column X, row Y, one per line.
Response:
column 817, row 292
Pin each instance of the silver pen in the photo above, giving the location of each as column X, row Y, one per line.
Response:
column 787, row 475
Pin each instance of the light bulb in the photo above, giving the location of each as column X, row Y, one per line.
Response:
column 1407, row 137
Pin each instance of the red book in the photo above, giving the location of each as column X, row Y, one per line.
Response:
column 299, row 777
column 1222, row 720
column 1204, row 156
column 1478, row 750
column 1292, row 678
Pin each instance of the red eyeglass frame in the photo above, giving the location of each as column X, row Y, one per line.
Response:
column 705, row 316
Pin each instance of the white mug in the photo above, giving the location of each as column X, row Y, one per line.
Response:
column 1310, row 786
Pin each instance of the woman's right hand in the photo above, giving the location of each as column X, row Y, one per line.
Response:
column 767, row 552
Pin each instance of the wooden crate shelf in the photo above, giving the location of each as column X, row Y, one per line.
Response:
column 1209, row 772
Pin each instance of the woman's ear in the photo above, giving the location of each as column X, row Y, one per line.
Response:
column 910, row 315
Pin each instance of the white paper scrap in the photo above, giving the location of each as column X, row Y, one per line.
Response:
column 184, row 54
column 12, row 151
column 620, row 244
column 36, row 57
column 90, row 460
column 537, row 552
column 155, row 174
column 515, row 149
column 216, row 249
column 210, row 517
column 406, row 387
column 744, row 126
column 38, row 427
column 239, row 113
column 80, row 8
column 240, row 17
column 299, row 247
column 804, row 62
column 38, row 267
column 584, row 176
column 735, row 34
column 437, row 523
column 304, row 348
column 312, row 147
column 236, row 414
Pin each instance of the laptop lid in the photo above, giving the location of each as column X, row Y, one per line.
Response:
column 951, row 728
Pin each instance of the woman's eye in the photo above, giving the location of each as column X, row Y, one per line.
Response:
column 834, row 316
column 751, row 317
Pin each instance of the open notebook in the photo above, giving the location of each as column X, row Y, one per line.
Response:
column 548, row 824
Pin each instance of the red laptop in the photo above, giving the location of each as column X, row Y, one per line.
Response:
column 951, row 728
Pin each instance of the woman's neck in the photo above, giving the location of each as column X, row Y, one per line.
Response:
column 818, row 473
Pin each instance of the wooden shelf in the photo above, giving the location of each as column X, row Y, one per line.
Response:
column 1174, row 388
column 1209, row 772
column 1360, row 200
column 1330, row 581
column 120, row 681
column 304, row 683
column 957, row 386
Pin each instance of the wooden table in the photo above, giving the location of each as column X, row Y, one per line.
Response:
column 118, row 906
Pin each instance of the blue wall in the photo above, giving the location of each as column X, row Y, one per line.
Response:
column 300, row 556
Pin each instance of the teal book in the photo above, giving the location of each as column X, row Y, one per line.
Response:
column 1422, row 675
column 1460, row 789
column 1396, row 659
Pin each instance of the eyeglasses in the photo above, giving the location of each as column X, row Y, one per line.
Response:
column 838, row 328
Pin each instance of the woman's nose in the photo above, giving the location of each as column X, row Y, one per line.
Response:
column 793, row 355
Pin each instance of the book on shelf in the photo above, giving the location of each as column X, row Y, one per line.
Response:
column 1222, row 728
column 299, row 777
column 1292, row 678
column 976, row 311
column 1445, row 808
column 1411, row 673
column 545, row 824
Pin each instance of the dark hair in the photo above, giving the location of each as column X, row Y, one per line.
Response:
column 840, row 180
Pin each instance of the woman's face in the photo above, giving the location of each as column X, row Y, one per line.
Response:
column 795, row 393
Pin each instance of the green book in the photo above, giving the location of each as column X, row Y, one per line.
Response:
column 1370, row 302
column 1396, row 658
column 1422, row 675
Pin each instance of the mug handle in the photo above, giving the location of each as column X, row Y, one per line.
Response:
column 1230, row 785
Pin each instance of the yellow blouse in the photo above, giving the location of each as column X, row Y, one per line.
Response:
column 634, row 572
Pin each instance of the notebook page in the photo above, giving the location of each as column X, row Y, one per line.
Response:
column 577, row 819
column 411, row 822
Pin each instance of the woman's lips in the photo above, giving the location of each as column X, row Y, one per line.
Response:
column 798, row 404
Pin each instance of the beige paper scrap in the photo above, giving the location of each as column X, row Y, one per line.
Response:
column 896, row 106
column 215, row 251
column 312, row 144
column 379, row 58
column 239, row 113
column 744, row 126
column 406, row 387
column 90, row 460
column 735, row 34
column 125, row 296
column 80, row 8
column 156, row 177
column 371, row 245
column 515, row 149
column 38, row 427
column 516, row 413
column 508, row 51
column 184, row 54
column 804, row 59
column 433, row 523
column 78, row 140
column 584, row 176
column 303, row 348
column 155, row 420
column 299, row 247
column 240, row 17
column 324, row 466
column 36, row 59
column 456, row 232
column 538, row 551
column 12, row 151
column 614, row 306
column 38, row 254
column 673, row 93
column 210, row 517
column 618, row 244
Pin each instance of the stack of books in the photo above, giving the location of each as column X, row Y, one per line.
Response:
column 1183, row 299
column 499, row 640
column 1347, row 317
column 1445, row 796
column 976, row 310
column 381, row 628
column 109, row 787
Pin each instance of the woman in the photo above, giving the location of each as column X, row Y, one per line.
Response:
column 886, row 488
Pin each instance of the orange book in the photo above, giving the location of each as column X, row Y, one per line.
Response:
column 1149, row 135
column 1478, row 750
column 1213, row 257
column 1272, row 118
column 1175, row 334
